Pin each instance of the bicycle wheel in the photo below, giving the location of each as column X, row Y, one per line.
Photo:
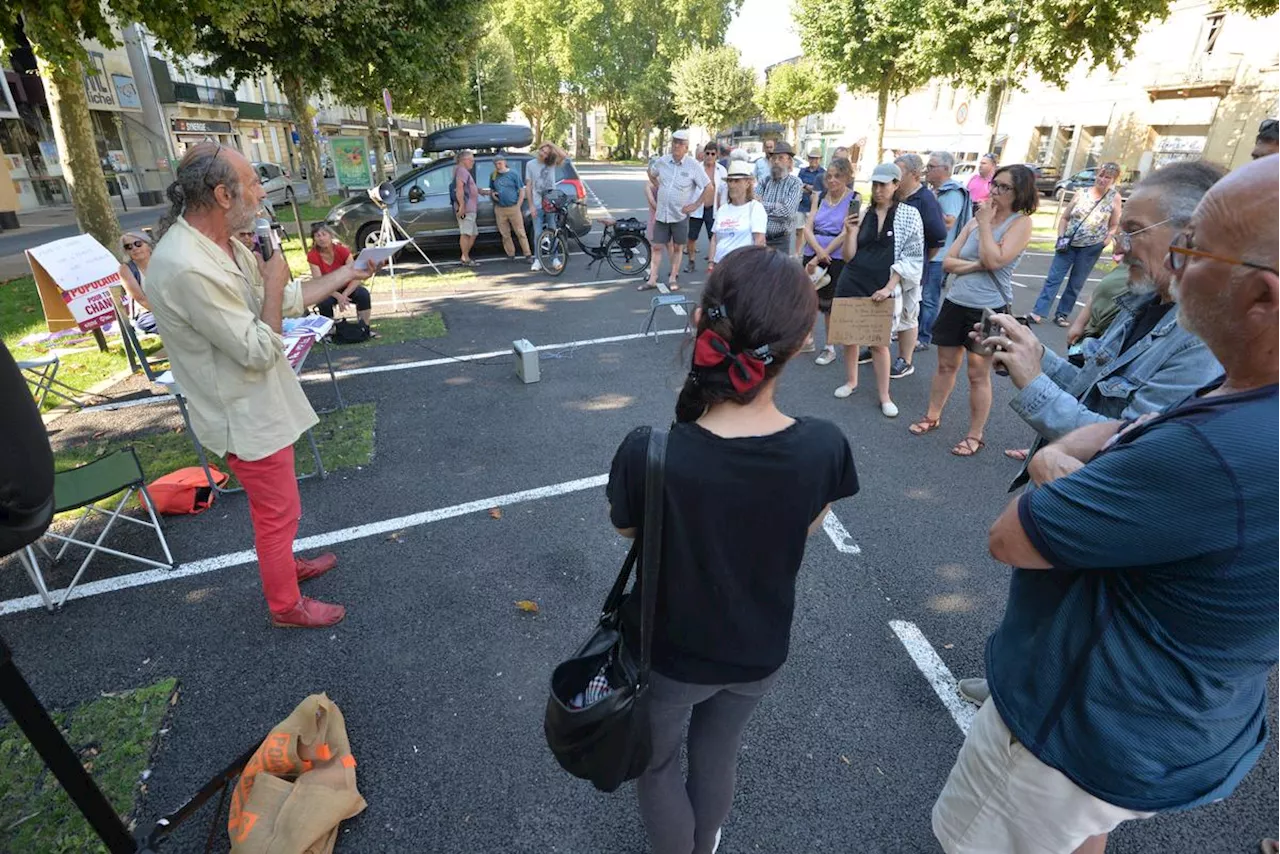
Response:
column 553, row 251
column 628, row 254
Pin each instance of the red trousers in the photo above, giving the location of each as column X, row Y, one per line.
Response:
column 274, row 507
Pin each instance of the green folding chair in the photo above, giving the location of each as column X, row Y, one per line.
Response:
column 83, row 487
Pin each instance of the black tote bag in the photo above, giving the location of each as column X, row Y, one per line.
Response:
column 608, row 742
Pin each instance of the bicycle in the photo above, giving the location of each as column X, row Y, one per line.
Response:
column 623, row 243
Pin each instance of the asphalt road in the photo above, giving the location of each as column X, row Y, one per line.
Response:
column 443, row 680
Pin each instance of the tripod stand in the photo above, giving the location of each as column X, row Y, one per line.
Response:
column 386, row 236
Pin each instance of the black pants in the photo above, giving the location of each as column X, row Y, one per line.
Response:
column 359, row 296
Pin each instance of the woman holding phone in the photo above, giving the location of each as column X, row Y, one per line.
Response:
column 982, row 261
column 824, row 238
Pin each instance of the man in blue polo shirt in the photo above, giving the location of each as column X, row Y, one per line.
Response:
column 1129, row 674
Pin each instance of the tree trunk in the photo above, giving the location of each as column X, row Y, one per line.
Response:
column 882, row 111
column 583, row 145
column 623, row 151
column 73, row 133
column 375, row 142
column 302, row 113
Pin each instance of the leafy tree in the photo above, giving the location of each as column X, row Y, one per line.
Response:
column 488, row 80
column 710, row 87
column 795, row 91
column 536, row 65
column 885, row 47
column 355, row 46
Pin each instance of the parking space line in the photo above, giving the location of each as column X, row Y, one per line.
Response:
column 939, row 677
column 316, row 541
column 839, row 535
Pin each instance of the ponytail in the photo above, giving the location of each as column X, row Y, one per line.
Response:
column 177, row 203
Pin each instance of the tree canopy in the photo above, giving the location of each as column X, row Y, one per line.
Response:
column 710, row 87
column 794, row 91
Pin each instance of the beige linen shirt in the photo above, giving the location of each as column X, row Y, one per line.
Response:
column 243, row 396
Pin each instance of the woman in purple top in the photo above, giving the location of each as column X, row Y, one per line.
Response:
column 825, row 228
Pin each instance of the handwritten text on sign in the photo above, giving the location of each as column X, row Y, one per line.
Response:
column 860, row 320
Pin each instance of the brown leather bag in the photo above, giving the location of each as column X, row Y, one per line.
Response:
column 298, row 786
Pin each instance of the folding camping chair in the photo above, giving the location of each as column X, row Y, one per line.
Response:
column 167, row 381
column 81, row 488
column 42, row 375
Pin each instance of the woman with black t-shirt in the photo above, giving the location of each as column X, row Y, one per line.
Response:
column 745, row 486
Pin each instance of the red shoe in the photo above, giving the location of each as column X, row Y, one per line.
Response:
column 316, row 566
column 309, row 614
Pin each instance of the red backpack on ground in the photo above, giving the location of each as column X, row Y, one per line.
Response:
column 185, row 492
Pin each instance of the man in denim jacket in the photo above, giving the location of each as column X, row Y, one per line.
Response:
column 1145, row 362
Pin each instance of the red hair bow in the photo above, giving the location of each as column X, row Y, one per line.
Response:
column 746, row 370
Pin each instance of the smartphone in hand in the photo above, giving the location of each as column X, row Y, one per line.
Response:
column 988, row 329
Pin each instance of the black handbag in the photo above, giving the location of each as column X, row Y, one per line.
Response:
column 608, row 741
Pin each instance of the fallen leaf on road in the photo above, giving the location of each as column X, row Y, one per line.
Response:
column 495, row 513
column 878, row 769
column 845, row 759
column 396, row 537
column 528, row 606
column 948, row 646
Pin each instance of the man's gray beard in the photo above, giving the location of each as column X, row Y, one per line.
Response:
column 1146, row 285
column 777, row 172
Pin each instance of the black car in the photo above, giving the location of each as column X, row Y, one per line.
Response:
column 421, row 197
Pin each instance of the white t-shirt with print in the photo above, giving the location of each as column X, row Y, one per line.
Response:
column 735, row 225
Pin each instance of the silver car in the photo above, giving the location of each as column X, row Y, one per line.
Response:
column 276, row 182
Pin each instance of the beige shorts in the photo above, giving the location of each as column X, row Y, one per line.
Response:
column 467, row 226
column 999, row 797
column 906, row 307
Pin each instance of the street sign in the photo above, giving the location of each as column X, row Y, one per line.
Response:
column 386, row 101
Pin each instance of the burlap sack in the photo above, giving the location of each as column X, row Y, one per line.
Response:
column 298, row 786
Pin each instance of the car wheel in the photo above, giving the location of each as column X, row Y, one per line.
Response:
column 368, row 235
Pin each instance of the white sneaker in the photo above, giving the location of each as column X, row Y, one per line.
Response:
column 890, row 409
column 537, row 265
column 845, row 390
column 716, row 846
column 826, row 357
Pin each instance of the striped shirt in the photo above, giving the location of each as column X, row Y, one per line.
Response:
column 781, row 200
column 1137, row 666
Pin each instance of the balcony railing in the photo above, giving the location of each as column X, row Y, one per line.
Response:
column 1208, row 76
column 252, row 110
column 278, row 111
column 190, row 93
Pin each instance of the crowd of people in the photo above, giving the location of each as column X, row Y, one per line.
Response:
column 1128, row 676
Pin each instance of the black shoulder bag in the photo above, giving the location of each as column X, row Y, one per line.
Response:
column 608, row 741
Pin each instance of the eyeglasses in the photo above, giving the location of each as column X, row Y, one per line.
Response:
column 998, row 187
column 1124, row 239
column 1181, row 249
column 129, row 247
column 934, row 166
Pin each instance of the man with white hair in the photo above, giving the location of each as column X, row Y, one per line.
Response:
column 956, row 206
column 680, row 182
column 1129, row 674
column 912, row 191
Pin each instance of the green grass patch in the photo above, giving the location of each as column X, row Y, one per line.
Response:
column 82, row 364
column 345, row 439
column 114, row 736
column 310, row 213
column 399, row 328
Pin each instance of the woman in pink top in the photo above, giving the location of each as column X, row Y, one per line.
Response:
column 980, row 184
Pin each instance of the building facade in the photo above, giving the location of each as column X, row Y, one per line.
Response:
column 1199, row 83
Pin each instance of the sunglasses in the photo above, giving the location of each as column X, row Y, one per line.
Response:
column 128, row 247
column 1181, row 249
column 1124, row 239
column 204, row 179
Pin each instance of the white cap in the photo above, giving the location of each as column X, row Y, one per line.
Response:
column 682, row 135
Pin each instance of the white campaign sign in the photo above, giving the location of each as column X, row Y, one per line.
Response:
column 83, row 270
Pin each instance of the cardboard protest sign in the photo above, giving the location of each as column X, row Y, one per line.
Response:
column 74, row 277
column 860, row 320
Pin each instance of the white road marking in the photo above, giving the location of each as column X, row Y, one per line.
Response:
column 356, row 532
column 940, row 678
column 676, row 309
column 840, row 535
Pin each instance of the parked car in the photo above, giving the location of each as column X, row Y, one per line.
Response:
column 421, row 202
column 388, row 163
column 275, row 180
column 326, row 162
column 964, row 170
column 1085, row 178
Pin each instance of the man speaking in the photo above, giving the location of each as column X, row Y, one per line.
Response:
column 219, row 309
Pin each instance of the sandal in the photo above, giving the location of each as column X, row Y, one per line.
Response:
column 1019, row 454
column 968, row 446
column 1062, row 320
column 925, row 425
column 673, row 286
column 647, row 286
column 1033, row 319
